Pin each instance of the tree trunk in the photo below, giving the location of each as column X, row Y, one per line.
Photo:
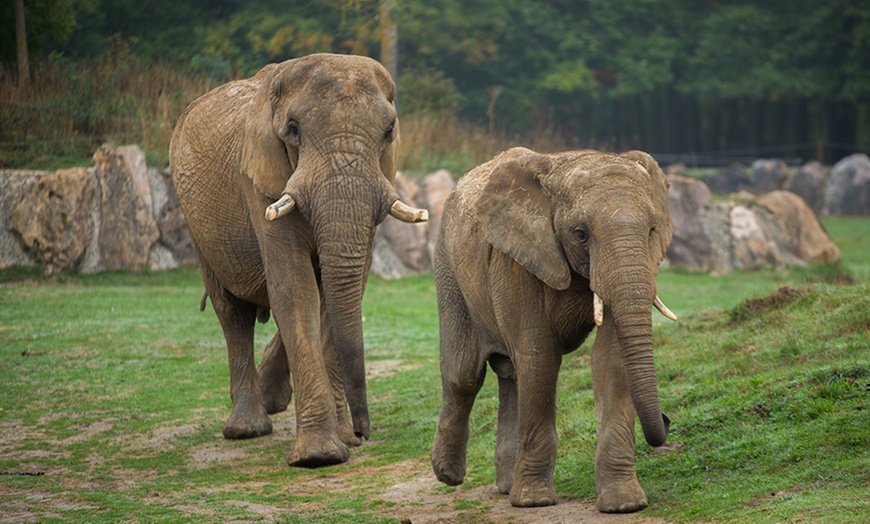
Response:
column 389, row 39
column 21, row 41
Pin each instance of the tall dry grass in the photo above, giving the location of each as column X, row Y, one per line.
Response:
column 70, row 109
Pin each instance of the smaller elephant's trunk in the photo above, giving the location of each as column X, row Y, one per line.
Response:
column 628, row 291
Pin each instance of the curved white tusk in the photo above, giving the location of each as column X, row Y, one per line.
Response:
column 598, row 309
column 406, row 213
column 280, row 208
column 664, row 309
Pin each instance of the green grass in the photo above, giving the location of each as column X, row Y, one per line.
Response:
column 115, row 390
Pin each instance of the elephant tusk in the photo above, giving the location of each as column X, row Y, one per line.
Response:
column 280, row 208
column 664, row 309
column 598, row 309
column 406, row 213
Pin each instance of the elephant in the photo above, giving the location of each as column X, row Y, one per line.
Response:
column 282, row 178
column 533, row 252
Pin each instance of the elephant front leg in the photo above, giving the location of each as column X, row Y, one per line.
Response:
column 615, row 477
column 317, row 435
column 463, row 369
column 248, row 418
column 537, row 372
column 274, row 376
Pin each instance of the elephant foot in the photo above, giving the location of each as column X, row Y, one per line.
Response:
column 247, row 424
column 448, row 467
column 346, row 435
column 621, row 497
column 329, row 452
column 533, row 493
column 504, row 481
column 504, row 471
column 276, row 396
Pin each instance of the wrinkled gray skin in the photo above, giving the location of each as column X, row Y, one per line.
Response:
column 330, row 122
column 525, row 239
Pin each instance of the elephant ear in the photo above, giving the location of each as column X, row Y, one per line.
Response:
column 264, row 156
column 659, row 187
column 515, row 212
column 389, row 158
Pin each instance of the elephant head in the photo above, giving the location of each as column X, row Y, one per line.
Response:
column 321, row 141
column 604, row 218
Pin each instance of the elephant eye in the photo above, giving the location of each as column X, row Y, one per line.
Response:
column 293, row 128
column 653, row 230
column 388, row 134
column 581, row 233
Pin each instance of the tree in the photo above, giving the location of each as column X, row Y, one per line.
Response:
column 21, row 44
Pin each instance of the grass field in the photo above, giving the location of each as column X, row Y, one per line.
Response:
column 115, row 390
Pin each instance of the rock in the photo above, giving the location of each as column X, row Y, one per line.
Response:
column 807, row 238
column 403, row 249
column 768, row 175
column 127, row 226
column 728, row 180
column 434, row 189
column 744, row 235
column 678, row 169
column 848, row 189
column 13, row 186
column 53, row 218
column 174, row 235
column 409, row 243
column 808, row 182
column 690, row 246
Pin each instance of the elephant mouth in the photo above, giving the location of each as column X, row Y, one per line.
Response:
column 398, row 210
column 598, row 309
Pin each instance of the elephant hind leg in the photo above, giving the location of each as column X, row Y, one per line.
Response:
column 274, row 376
column 248, row 418
column 506, row 439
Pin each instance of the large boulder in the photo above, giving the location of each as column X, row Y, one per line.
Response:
column 848, row 189
column 808, row 182
column 402, row 249
column 127, row 230
column 690, row 246
column 434, row 190
column 728, row 180
column 14, row 185
column 175, row 245
column 744, row 235
column 769, row 175
column 406, row 249
column 52, row 218
column 743, row 232
column 807, row 238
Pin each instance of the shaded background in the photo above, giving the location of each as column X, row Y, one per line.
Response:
column 703, row 82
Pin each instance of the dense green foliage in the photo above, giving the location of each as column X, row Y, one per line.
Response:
column 116, row 388
column 753, row 78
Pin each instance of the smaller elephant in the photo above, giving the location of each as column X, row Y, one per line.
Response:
column 533, row 252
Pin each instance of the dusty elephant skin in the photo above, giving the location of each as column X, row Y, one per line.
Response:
column 533, row 251
column 282, row 178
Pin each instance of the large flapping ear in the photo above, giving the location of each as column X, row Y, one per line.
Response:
column 516, row 214
column 659, row 186
column 390, row 157
column 264, row 157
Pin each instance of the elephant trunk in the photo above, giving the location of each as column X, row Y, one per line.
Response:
column 343, row 271
column 628, row 291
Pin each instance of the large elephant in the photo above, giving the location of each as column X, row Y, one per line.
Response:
column 533, row 252
column 282, row 179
